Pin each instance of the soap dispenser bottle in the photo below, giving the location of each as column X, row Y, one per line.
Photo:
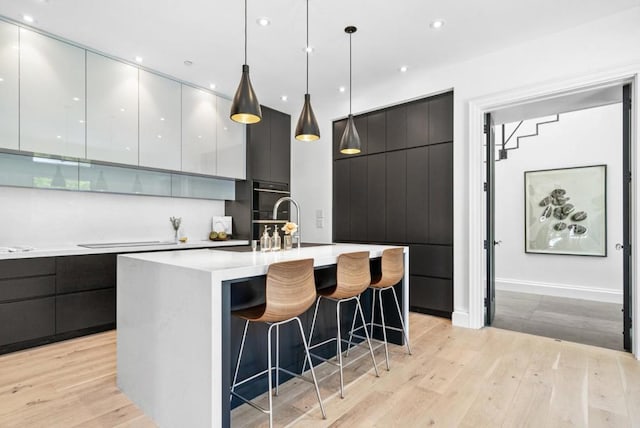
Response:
column 277, row 242
column 265, row 240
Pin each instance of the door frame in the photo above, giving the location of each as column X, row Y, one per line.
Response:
column 476, row 215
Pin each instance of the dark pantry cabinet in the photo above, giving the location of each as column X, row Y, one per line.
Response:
column 400, row 191
column 47, row 299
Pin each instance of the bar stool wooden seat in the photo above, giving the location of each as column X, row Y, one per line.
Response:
column 290, row 291
column 353, row 277
column 392, row 274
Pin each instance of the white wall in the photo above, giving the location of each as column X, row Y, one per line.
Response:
column 608, row 43
column 581, row 138
column 45, row 218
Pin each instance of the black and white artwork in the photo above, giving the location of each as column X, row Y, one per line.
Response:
column 566, row 212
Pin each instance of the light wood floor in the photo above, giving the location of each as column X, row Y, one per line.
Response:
column 455, row 377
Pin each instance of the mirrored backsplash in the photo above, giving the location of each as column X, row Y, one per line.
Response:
column 22, row 170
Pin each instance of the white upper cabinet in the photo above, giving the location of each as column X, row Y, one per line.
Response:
column 231, row 139
column 9, row 50
column 159, row 122
column 198, row 131
column 112, row 110
column 52, row 97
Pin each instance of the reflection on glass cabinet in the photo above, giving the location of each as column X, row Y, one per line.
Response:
column 19, row 170
column 52, row 96
column 198, row 131
column 159, row 121
column 231, row 143
column 112, row 110
column 9, row 86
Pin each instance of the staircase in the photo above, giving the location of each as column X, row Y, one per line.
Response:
column 521, row 130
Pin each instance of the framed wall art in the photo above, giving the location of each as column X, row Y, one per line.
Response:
column 566, row 211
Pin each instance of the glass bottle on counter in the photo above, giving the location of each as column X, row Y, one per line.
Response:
column 265, row 240
column 277, row 242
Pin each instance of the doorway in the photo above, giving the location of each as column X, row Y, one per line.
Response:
column 543, row 284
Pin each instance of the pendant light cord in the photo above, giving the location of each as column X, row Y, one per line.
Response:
column 350, row 73
column 245, row 31
column 307, row 47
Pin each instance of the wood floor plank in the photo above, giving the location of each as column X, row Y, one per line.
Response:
column 456, row 377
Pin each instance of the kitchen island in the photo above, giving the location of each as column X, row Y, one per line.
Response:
column 175, row 327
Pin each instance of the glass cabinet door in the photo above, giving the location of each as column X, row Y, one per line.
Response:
column 52, row 96
column 112, row 110
column 9, row 86
column 159, row 121
column 231, row 144
column 198, row 131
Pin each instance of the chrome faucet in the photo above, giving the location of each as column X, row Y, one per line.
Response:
column 275, row 213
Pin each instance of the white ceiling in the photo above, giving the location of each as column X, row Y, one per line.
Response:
column 390, row 34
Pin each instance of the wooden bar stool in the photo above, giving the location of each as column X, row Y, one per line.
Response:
column 353, row 277
column 290, row 291
column 392, row 273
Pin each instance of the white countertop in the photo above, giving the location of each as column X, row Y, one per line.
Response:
column 232, row 264
column 75, row 250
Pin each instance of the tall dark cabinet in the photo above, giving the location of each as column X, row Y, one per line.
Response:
column 399, row 190
column 268, row 168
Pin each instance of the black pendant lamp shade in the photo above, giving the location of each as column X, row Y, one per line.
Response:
column 307, row 128
column 350, row 141
column 245, row 107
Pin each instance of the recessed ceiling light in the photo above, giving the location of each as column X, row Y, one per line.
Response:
column 76, row 99
column 160, row 136
column 437, row 24
column 122, row 109
column 28, row 18
column 1, row 79
column 308, row 49
column 59, row 137
column 138, row 59
column 162, row 119
column 404, row 69
column 212, row 85
column 188, row 63
column 263, row 22
column 284, row 98
column 342, row 89
column 81, row 121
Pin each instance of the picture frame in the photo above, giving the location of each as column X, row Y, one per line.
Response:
column 566, row 211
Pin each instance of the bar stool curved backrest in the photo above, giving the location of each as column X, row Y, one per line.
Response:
column 353, row 275
column 290, row 290
column 392, row 268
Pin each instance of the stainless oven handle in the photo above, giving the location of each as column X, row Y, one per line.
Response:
column 283, row 192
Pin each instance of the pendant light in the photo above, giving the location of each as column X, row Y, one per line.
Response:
column 307, row 128
column 245, row 107
column 350, row 141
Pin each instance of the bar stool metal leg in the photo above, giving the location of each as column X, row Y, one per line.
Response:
column 373, row 359
column 313, row 325
column 269, row 350
column 277, row 359
column 313, row 373
column 244, row 336
column 353, row 326
column 373, row 309
column 384, row 329
column 339, row 347
column 404, row 330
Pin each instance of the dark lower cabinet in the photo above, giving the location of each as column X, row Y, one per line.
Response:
column 44, row 300
column 26, row 320
column 77, row 311
column 431, row 295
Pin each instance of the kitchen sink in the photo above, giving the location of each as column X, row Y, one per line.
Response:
column 126, row 244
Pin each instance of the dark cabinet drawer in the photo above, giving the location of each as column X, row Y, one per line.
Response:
column 91, row 272
column 433, row 294
column 431, row 260
column 26, row 320
column 17, row 268
column 84, row 310
column 25, row 288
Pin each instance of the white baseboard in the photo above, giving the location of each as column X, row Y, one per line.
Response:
column 560, row 290
column 460, row 319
